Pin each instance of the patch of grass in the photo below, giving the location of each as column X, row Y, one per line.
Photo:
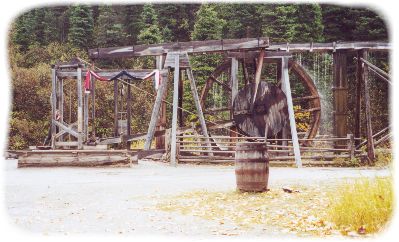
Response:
column 383, row 158
column 364, row 205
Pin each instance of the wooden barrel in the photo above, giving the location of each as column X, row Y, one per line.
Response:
column 252, row 167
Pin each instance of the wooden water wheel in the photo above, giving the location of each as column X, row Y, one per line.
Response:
column 308, row 100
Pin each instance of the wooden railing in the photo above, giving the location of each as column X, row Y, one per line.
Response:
column 193, row 148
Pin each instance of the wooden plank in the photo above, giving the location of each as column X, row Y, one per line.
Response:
column 189, row 47
column 257, row 77
column 93, row 103
column 287, row 90
column 174, row 114
column 160, row 140
column 86, row 117
column 106, row 73
column 53, row 104
column 61, row 101
column 340, row 95
column 370, row 140
column 67, row 129
column 80, row 109
column 233, row 44
column 116, row 131
column 155, row 112
column 234, row 78
column 129, row 111
column 197, row 103
column 332, row 46
column 359, row 81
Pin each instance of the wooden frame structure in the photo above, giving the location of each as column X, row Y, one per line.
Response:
column 175, row 57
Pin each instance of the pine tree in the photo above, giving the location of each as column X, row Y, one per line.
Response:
column 369, row 26
column 24, row 30
column 280, row 22
column 109, row 30
column 309, row 25
column 339, row 23
column 179, row 27
column 150, row 32
column 131, row 22
column 81, row 26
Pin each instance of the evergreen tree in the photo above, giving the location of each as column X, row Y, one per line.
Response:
column 280, row 22
column 24, row 30
column 369, row 26
column 179, row 27
column 132, row 22
column 109, row 30
column 81, row 26
column 310, row 23
column 339, row 23
column 242, row 20
column 150, row 32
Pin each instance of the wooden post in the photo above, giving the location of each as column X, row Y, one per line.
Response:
column 160, row 140
column 53, row 105
column 93, row 105
column 80, row 108
column 370, row 140
column 351, row 146
column 257, row 77
column 180, row 100
column 359, row 80
column 155, row 112
column 234, row 90
column 340, row 95
column 245, row 71
column 129, row 111
column 200, row 114
column 174, row 114
column 116, row 131
column 285, row 84
column 61, row 101
column 86, row 117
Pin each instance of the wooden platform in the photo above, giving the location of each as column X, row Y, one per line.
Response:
column 74, row 158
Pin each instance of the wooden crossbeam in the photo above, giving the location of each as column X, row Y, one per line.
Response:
column 199, row 47
column 189, row 47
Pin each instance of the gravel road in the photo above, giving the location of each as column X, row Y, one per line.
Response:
column 116, row 200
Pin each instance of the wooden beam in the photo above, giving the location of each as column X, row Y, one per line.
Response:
column 189, row 47
column 332, row 46
column 93, row 103
column 370, row 140
column 287, row 90
column 160, row 140
column 80, row 109
column 61, row 100
column 53, row 104
column 200, row 114
column 106, row 73
column 340, row 96
column 116, row 131
column 174, row 114
column 86, row 117
column 199, row 47
column 67, row 129
column 257, row 77
column 180, row 99
column 129, row 112
column 359, row 81
column 155, row 112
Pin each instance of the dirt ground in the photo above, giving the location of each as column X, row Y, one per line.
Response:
column 119, row 201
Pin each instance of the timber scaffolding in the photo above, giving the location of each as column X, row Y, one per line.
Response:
column 197, row 144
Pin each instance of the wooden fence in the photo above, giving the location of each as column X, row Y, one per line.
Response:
column 193, row 148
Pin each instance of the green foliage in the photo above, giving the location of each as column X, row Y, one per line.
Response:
column 81, row 26
column 131, row 22
column 150, row 32
column 109, row 30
